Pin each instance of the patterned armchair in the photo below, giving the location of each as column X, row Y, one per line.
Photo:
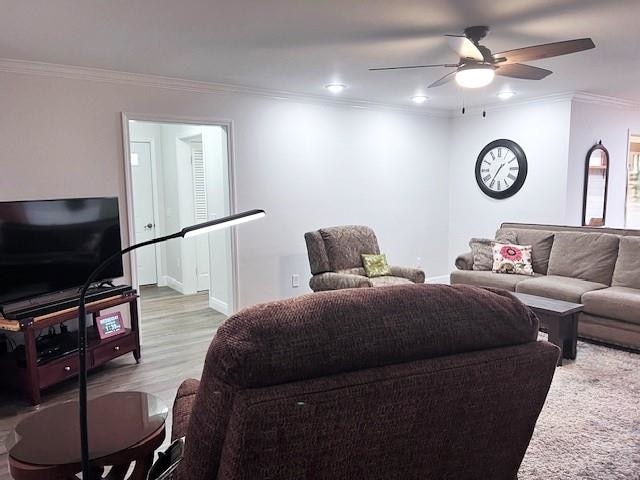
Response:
column 334, row 257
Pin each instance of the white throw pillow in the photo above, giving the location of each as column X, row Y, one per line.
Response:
column 508, row 258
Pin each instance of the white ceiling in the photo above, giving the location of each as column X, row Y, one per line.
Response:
column 301, row 45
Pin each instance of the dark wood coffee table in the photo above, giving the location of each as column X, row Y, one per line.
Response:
column 560, row 319
column 124, row 427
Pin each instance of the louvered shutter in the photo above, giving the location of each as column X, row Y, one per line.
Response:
column 199, row 183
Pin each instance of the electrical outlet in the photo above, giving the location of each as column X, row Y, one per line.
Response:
column 295, row 280
column 419, row 262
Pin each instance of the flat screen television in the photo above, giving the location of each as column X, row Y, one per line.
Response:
column 48, row 246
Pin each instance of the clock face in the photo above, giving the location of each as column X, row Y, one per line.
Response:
column 501, row 169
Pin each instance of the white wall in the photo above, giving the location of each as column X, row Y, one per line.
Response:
column 179, row 205
column 215, row 154
column 308, row 165
column 311, row 166
column 590, row 123
column 542, row 130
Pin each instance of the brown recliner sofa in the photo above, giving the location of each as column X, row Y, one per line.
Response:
column 334, row 258
column 598, row 267
column 412, row 382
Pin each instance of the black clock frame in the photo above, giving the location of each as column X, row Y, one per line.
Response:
column 522, row 165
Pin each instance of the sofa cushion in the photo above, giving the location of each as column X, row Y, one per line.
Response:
column 561, row 288
column 587, row 256
column 609, row 330
column 345, row 244
column 326, row 333
column 621, row 303
column 482, row 251
column 488, row 279
column 388, row 280
column 354, row 271
column 627, row 271
column 541, row 242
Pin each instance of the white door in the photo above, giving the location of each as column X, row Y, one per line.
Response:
column 200, row 215
column 143, row 208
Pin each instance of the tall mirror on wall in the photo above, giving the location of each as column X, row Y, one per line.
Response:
column 596, row 179
column 632, row 219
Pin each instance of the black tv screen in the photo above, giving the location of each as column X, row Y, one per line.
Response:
column 51, row 245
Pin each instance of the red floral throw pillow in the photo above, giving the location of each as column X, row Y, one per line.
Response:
column 509, row 258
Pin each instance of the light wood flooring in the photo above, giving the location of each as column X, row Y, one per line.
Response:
column 176, row 331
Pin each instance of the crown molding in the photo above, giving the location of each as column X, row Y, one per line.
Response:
column 72, row 72
column 586, row 97
column 509, row 105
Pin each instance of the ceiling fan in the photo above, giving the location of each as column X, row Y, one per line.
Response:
column 478, row 66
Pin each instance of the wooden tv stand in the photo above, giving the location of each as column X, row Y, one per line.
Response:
column 32, row 378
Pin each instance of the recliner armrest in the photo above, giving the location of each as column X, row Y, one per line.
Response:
column 337, row 281
column 464, row 261
column 414, row 274
column 182, row 406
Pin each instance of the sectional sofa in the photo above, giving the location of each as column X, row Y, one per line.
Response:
column 598, row 267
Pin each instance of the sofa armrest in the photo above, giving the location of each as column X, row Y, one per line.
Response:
column 465, row 261
column 414, row 274
column 337, row 281
column 182, row 407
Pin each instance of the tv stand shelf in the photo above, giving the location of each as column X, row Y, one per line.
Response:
column 32, row 378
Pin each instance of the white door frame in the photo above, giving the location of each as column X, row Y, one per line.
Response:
column 154, row 194
column 228, row 126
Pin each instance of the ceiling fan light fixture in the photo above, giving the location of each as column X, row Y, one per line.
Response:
column 419, row 99
column 335, row 87
column 475, row 76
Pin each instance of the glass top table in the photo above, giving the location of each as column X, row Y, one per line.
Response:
column 116, row 421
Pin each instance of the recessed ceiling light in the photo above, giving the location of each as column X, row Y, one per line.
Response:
column 505, row 95
column 335, row 87
column 419, row 99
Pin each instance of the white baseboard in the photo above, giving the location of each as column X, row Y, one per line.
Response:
column 439, row 279
column 162, row 281
column 175, row 284
column 219, row 306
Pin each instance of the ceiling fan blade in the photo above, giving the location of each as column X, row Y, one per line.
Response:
column 441, row 81
column 464, row 47
column 547, row 50
column 519, row 70
column 447, row 65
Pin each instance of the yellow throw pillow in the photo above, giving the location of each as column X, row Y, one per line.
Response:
column 375, row 265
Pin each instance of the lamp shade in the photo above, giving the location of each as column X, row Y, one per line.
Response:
column 218, row 224
column 475, row 76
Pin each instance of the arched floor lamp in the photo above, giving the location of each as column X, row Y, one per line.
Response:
column 186, row 232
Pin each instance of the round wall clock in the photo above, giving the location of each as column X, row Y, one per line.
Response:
column 501, row 168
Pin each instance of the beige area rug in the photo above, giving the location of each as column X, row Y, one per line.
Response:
column 589, row 427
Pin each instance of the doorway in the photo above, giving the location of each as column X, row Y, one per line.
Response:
column 179, row 174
